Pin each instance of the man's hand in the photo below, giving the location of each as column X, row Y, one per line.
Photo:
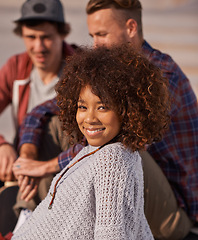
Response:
column 29, row 171
column 7, row 157
column 28, row 187
column 35, row 168
column 29, row 167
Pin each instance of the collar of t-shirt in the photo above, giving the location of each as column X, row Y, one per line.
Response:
column 40, row 92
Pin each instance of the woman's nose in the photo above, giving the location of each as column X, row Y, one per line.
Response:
column 90, row 117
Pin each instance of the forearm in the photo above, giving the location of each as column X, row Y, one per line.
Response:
column 51, row 166
column 27, row 163
column 28, row 150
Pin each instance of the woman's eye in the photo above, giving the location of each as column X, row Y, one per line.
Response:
column 102, row 108
column 81, row 107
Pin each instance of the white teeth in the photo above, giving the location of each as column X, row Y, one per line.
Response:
column 94, row 131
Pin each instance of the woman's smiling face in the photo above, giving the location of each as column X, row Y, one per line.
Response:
column 98, row 123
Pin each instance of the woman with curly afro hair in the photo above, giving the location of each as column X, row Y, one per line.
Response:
column 124, row 80
column 119, row 102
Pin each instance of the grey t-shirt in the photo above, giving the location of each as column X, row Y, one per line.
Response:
column 40, row 92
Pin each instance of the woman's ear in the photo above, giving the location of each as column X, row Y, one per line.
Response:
column 132, row 28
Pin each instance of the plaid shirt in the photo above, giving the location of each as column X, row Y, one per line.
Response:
column 176, row 154
column 31, row 129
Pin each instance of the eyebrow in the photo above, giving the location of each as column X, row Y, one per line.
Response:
column 83, row 101
column 80, row 100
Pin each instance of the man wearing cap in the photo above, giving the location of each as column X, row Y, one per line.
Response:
column 28, row 79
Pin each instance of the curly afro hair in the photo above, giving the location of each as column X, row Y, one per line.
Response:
column 126, row 82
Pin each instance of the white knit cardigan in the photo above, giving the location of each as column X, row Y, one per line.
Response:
column 100, row 197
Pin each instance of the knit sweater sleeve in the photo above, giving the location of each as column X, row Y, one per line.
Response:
column 119, row 196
